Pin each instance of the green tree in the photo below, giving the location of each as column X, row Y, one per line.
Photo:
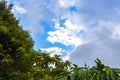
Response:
column 50, row 68
column 15, row 45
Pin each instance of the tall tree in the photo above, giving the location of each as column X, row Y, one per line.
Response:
column 15, row 44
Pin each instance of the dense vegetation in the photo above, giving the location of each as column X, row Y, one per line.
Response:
column 19, row 61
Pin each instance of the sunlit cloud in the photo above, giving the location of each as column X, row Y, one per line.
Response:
column 53, row 50
column 68, row 35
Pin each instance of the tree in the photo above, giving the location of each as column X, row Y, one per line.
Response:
column 50, row 68
column 15, row 45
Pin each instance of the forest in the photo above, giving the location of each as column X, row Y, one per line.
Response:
column 19, row 60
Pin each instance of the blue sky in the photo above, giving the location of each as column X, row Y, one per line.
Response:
column 78, row 30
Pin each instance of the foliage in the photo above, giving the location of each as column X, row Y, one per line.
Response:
column 98, row 72
column 15, row 45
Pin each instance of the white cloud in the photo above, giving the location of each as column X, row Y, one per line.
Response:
column 116, row 32
column 99, row 44
column 18, row 9
column 67, row 3
column 66, row 57
column 53, row 50
column 57, row 50
column 41, row 10
column 69, row 33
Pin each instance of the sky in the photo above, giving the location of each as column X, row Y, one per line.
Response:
column 78, row 30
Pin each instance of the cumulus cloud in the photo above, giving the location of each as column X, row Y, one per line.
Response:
column 99, row 44
column 53, row 50
column 68, row 35
column 57, row 50
column 69, row 31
